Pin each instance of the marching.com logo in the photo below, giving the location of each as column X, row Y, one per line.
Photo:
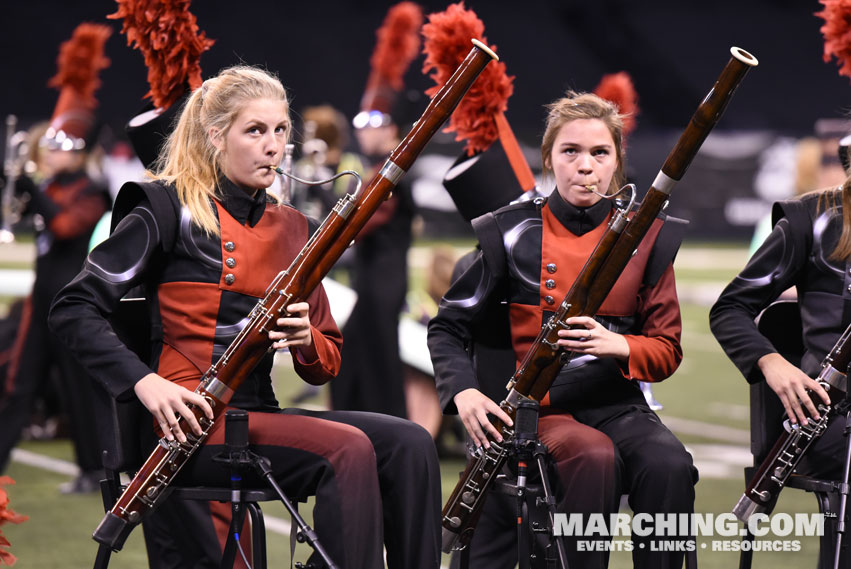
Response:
column 679, row 532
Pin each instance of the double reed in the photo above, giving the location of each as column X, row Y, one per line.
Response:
column 545, row 358
column 295, row 284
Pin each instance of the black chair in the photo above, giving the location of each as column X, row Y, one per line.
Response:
column 125, row 449
column 780, row 322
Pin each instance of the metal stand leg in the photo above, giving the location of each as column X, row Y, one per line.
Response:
column 843, row 488
column 550, row 502
column 527, row 446
column 102, row 559
column 240, row 459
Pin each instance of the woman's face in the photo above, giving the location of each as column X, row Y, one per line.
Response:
column 254, row 141
column 583, row 157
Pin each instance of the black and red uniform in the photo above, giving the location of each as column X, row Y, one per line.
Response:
column 69, row 205
column 595, row 421
column 372, row 475
column 796, row 253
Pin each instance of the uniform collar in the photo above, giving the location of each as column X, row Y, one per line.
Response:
column 241, row 206
column 578, row 220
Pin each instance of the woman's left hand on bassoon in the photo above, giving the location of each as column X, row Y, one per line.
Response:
column 293, row 330
column 587, row 336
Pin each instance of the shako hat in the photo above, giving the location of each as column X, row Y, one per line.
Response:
column 492, row 171
column 397, row 45
column 166, row 33
column 72, row 125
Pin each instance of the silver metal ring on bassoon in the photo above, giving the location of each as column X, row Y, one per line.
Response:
column 834, row 378
column 664, row 183
column 217, row 389
column 392, row 172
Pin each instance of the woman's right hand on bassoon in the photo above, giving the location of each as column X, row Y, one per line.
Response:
column 166, row 400
column 473, row 408
column 791, row 385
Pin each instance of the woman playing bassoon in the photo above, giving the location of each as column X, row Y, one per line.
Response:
column 603, row 437
column 207, row 239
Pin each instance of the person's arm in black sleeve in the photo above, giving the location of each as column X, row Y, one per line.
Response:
column 449, row 334
column 80, row 313
column 773, row 268
column 39, row 202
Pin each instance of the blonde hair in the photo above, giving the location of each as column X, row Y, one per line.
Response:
column 832, row 199
column 574, row 106
column 188, row 159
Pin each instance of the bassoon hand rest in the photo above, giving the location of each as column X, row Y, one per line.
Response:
column 545, row 358
column 295, row 284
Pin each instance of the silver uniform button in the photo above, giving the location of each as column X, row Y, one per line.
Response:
column 549, row 300
column 550, row 284
column 230, row 262
column 229, row 278
column 229, row 246
column 551, row 267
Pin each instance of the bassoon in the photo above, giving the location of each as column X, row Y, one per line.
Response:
column 151, row 483
column 545, row 358
column 761, row 493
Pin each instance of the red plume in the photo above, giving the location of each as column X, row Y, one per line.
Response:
column 617, row 88
column 7, row 516
column 167, row 35
column 837, row 33
column 447, row 43
column 397, row 44
column 80, row 61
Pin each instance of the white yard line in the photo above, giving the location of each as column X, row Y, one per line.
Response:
column 708, row 430
column 44, row 462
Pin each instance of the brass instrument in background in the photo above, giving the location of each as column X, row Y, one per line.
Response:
column 16, row 150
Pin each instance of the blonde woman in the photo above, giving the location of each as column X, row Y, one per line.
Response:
column 206, row 239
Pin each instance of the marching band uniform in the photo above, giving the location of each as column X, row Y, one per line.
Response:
column 69, row 205
column 595, row 421
column 796, row 253
column 372, row 375
column 358, row 465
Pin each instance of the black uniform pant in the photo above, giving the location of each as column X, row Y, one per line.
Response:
column 376, row 481
column 37, row 356
column 826, row 459
column 371, row 375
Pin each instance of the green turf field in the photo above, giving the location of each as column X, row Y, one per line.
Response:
column 705, row 403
